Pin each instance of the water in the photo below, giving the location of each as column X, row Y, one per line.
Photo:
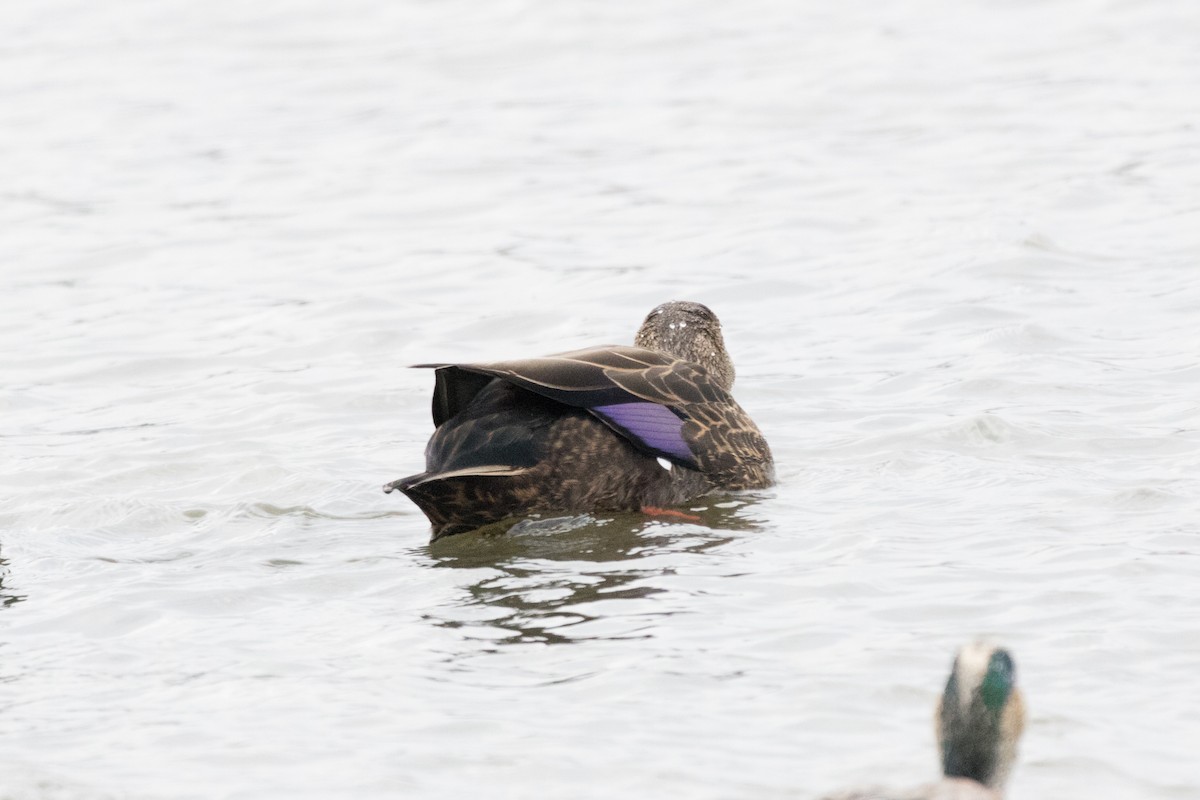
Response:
column 954, row 249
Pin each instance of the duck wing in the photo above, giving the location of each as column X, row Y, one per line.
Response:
column 664, row 406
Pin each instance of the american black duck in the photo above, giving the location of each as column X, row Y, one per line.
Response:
column 979, row 719
column 607, row 428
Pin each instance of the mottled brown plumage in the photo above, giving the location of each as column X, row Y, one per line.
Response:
column 604, row 428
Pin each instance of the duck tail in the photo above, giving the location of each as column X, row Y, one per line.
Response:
column 403, row 484
column 457, row 500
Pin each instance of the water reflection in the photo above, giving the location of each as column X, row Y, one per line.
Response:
column 555, row 581
column 7, row 596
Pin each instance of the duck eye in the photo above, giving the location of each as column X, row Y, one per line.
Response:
column 1001, row 662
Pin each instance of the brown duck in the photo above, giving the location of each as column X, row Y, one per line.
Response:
column 601, row 429
column 979, row 719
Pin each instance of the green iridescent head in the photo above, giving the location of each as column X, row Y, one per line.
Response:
column 997, row 683
column 980, row 716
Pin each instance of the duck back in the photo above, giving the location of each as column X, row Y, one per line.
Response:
column 510, row 452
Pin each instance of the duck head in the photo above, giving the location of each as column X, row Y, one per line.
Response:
column 689, row 331
column 981, row 716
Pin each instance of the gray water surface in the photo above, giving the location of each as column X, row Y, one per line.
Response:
column 955, row 249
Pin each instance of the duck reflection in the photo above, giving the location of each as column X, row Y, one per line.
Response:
column 7, row 596
column 554, row 581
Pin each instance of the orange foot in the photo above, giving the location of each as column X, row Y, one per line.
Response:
column 669, row 512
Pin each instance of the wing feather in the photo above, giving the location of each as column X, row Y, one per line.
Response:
column 701, row 426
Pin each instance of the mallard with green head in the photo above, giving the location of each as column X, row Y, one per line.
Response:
column 979, row 719
column 612, row 428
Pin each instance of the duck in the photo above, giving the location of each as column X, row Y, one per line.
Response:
column 607, row 428
column 978, row 721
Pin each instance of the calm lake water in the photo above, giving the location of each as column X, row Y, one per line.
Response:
column 956, row 249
